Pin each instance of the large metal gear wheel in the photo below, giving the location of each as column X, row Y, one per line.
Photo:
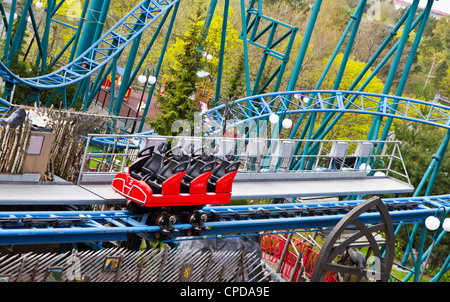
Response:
column 332, row 250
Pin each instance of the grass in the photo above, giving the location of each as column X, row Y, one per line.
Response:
column 402, row 274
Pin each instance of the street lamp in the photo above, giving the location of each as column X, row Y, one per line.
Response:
column 304, row 99
column 433, row 223
column 274, row 119
column 207, row 55
column 145, row 78
column 287, row 123
column 38, row 4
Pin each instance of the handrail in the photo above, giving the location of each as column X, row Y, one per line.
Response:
column 270, row 158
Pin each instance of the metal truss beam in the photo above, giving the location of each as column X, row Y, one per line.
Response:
column 262, row 106
column 267, row 33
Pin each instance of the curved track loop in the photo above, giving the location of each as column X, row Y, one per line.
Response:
column 282, row 103
column 102, row 51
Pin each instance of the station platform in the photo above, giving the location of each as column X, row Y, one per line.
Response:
column 246, row 186
column 314, row 184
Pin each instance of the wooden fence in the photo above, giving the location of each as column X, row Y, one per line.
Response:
column 13, row 148
column 122, row 265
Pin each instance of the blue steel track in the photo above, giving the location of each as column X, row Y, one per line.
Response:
column 18, row 228
column 109, row 46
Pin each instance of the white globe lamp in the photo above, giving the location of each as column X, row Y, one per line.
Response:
column 142, row 79
column 446, row 224
column 39, row 4
column 273, row 118
column 287, row 123
column 151, row 80
column 432, row 223
column 365, row 167
column 379, row 174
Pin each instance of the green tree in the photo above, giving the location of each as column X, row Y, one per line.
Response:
column 444, row 86
column 178, row 103
column 211, row 46
column 432, row 61
column 350, row 126
column 236, row 86
column 418, row 144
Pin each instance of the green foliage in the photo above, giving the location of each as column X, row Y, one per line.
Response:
column 444, row 84
column 419, row 144
column 211, row 45
column 178, row 103
column 430, row 69
column 21, row 92
column 236, row 86
column 69, row 8
column 350, row 126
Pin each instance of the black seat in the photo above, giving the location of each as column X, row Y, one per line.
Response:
column 149, row 169
column 198, row 168
column 221, row 170
column 171, row 168
column 181, row 157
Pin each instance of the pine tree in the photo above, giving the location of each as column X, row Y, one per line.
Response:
column 178, row 102
column 236, row 87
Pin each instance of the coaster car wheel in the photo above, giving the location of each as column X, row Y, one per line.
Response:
column 197, row 220
column 166, row 222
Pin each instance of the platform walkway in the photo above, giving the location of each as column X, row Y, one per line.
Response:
column 246, row 186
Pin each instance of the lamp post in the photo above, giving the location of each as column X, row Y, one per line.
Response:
column 433, row 223
column 274, row 119
column 144, row 78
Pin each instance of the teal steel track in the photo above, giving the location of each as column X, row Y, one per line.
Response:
column 102, row 51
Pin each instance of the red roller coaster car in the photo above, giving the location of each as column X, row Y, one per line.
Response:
column 165, row 182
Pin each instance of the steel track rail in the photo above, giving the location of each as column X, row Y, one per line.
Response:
column 257, row 107
column 18, row 228
column 102, row 51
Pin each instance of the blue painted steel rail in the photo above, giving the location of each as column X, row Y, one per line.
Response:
column 102, row 51
column 281, row 103
column 4, row 106
column 18, row 228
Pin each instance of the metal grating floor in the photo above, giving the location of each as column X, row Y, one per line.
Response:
column 53, row 194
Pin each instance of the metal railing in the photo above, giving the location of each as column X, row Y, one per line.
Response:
column 297, row 263
column 110, row 154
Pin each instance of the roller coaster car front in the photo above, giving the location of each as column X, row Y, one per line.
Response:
column 157, row 181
